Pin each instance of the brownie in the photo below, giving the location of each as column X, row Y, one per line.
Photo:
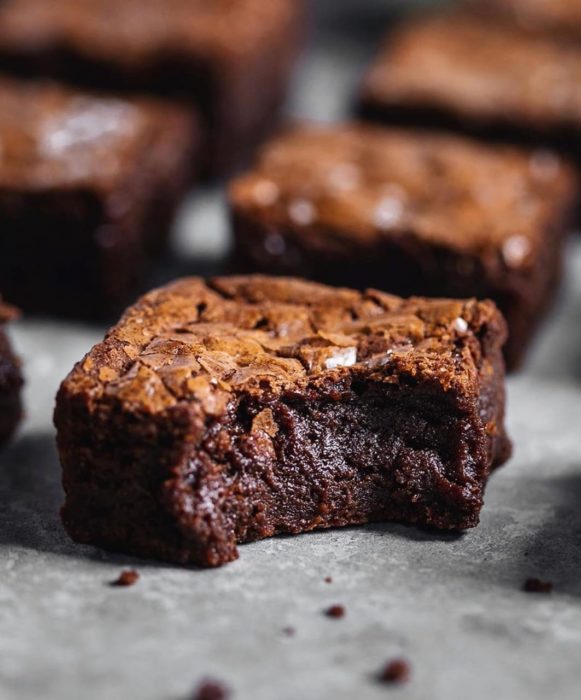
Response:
column 486, row 79
column 10, row 379
column 559, row 18
column 229, row 59
column 223, row 412
column 411, row 212
column 88, row 188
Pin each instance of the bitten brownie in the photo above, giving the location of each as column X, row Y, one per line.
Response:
column 459, row 72
column 222, row 412
column 229, row 59
column 88, row 188
column 409, row 212
column 10, row 379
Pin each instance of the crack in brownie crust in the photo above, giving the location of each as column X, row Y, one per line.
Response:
column 410, row 212
column 10, row 379
column 224, row 412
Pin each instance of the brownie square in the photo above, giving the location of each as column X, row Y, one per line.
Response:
column 486, row 79
column 88, row 188
column 410, row 212
column 222, row 412
column 10, row 379
column 229, row 59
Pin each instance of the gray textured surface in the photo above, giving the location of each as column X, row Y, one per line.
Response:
column 452, row 605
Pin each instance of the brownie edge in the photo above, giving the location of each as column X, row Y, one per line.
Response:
column 222, row 412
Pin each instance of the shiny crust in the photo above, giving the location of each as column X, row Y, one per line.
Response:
column 211, row 342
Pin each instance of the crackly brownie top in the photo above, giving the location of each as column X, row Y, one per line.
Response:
column 210, row 342
column 368, row 183
column 553, row 15
column 479, row 70
column 135, row 30
column 52, row 137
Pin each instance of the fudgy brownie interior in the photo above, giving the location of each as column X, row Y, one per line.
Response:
column 317, row 408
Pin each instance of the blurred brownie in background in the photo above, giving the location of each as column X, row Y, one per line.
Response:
column 410, row 212
column 487, row 79
column 227, row 411
column 10, row 378
column 88, row 188
column 232, row 59
column 561, row 18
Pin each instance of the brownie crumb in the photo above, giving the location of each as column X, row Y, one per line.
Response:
column 289, row 631
column 535, row 585
column 395, row 671
column 336, row 611
column 128, row 577
column 211, row 690
column 328, row 579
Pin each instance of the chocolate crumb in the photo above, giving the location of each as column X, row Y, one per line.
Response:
column 211, row 690
column 289, row 631
column 535, row 585
column 336, row 611
column 128, row 577
column 395, row 671
column 328, row 579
